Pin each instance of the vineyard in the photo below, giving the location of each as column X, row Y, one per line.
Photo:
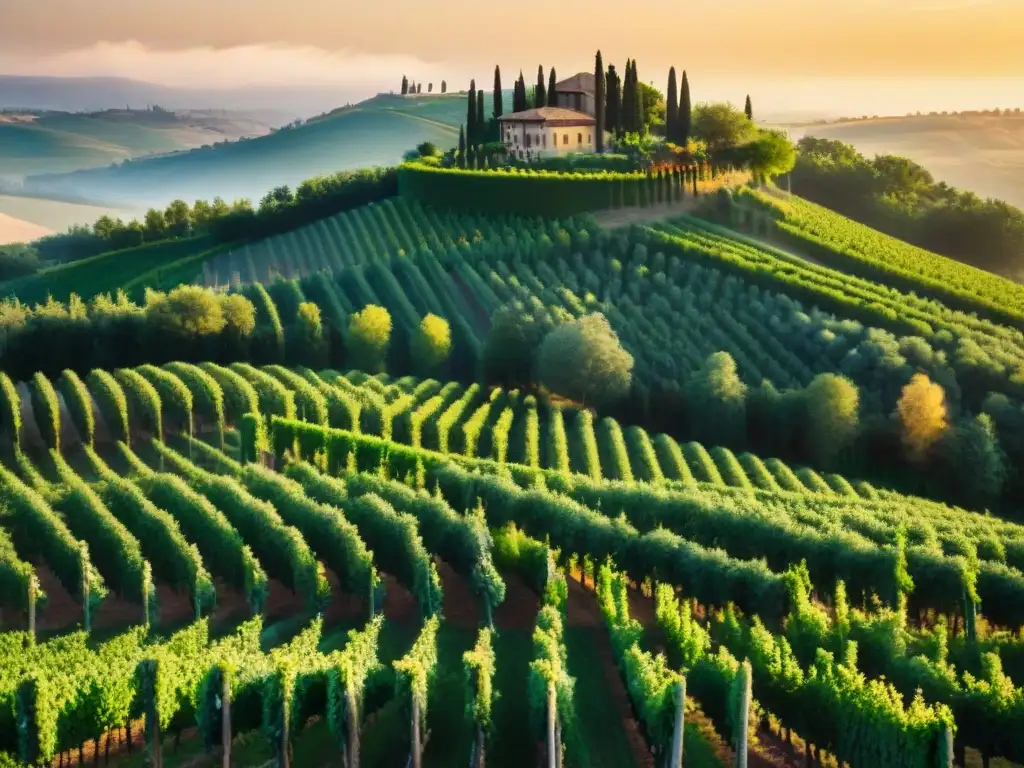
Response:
column 390, row 540
column 336, row 505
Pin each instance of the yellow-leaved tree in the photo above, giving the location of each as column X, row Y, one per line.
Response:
column 922, row 413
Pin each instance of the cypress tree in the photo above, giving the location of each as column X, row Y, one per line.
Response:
column 552, row 89
column 499, row 102
column 639, row 112
column 462, row 146
column 672, row 107
column 444, row 86
column 613, row 95
column 626, row 109
column 405, row 85
column 519, row 99
column 481, row 123
column 599, row 104
column 685, row 123
column 749, row 109
column 540, row 95
column 419, row 87
column 471, row 114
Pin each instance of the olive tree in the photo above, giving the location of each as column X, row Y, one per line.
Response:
column 368, row 337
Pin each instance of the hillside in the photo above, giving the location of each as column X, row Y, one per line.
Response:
column 57, row 142
column 374, row 132
column 983, row 153
column 58, row 215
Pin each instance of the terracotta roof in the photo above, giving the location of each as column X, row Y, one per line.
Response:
column 558, row 115
column 580, row 83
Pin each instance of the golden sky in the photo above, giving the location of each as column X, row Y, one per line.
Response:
column 714, row 38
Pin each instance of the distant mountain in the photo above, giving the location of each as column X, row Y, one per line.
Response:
column 375, row 132
column 38, row 142
column 91, row 94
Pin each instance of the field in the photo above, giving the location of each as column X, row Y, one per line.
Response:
column 53, row 142
column 56, row 215
column 982, row 153
column 375, row 132
column 140, row 524
column 248, row 538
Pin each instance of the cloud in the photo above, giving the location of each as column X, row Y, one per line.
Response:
column 207, row 67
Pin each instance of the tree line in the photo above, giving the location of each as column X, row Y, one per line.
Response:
column 280, row 210
column 901, row 198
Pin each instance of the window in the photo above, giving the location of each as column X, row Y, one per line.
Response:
column 544, row 140
column 528, row 137
column 579, row 138
column 590, row 139
column 565, row 139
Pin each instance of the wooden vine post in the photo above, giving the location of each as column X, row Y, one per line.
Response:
column 225, row 727
column 417, row 750
column 86, row 618
column 33, row 593
column 553, row 747
column 677, row 733
column 742, row 704
column 352, row 722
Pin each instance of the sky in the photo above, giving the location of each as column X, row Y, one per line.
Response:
column 886, row 54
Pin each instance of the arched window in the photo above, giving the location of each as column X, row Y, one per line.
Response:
column 565, row 139
column 528, row 137
column 579, row 138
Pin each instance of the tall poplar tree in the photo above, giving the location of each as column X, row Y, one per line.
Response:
column 444, row 86
column 748, row 108
column 685, row 125
column 499, row 101
column 471, row 114
column 481, row 122
column 599, row 104
column 628, row 115
column 613, row 98
column 405, row 85
column 552, row 89
column 672, row 108
column 462, row 146
column 540, row 94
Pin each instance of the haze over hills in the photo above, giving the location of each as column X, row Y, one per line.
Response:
column 39, row 142
column 274, row 104
column 374, row 132
column 981, row 152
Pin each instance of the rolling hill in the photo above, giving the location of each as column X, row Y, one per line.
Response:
column 981, row 152
column 58, row 142
column 374, row 132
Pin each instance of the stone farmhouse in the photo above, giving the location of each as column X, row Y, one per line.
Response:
column 548, row 131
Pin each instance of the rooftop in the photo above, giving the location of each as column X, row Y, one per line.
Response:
column 580, row 83
column 558, row 115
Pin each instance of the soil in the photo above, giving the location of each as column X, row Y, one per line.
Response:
column 519, row 609
column 64, row 613
column 582, row 610
column 461, row 606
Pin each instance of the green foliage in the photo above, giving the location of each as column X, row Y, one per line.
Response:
column 832, row 404
column 722, row 126
column 207, row 394
column 479, row 666
column 79, row 405
column 274, row 398
column 346, row 682
column 368, row 337
column 46, row 409
column 145, row 411
column 188, row 310
column 10, row 410
column 416, row 669
column 431, row 346
column 111, row 403
column 716, row 400
column 584, row 360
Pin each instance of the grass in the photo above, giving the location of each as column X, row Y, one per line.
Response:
column 375, row 132
column 133, row 269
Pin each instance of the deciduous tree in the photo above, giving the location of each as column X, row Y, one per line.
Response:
column 431, row 346
column 716, row 401
column 832, row 408
column 722, row 126
column 367, row 338
column 585, row 361
column 921, row 411
column 512, row 344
